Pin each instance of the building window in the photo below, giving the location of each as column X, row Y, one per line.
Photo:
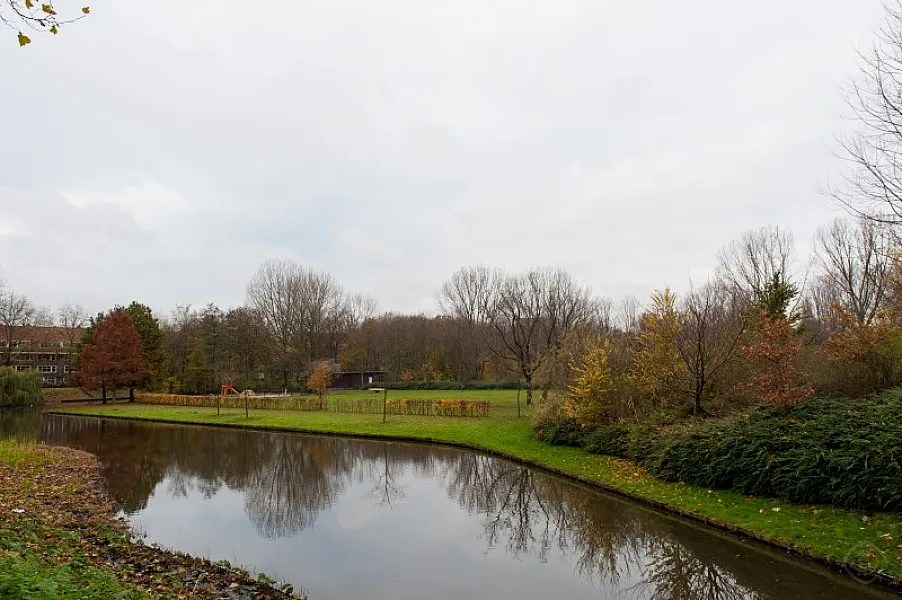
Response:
column 47, row 368
column 49, row 380
column 21, row 368
column 66, row 368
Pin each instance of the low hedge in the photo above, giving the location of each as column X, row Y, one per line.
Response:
column 455, row 407
column 309, row 403
column 839, row 452
column 450, row 385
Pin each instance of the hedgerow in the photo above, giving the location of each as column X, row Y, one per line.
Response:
column 840, row 452
column 826, row 451
column 450, row 385
column 367, row 405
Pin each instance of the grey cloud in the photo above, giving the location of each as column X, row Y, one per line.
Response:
column 392, row 143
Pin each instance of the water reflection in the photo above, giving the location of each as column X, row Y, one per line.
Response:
column 289, row 481
column 20, row 423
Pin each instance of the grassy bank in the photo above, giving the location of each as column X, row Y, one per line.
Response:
column 59, row 539
column 867, row 542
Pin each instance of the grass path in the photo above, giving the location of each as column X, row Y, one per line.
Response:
column 866, row 543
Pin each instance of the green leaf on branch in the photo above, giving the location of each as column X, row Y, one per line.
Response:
column 23, row 39
column 29, row 4
column 85, row 9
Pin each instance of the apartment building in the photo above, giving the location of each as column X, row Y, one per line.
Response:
column 46, row 349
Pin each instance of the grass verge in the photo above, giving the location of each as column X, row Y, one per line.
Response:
column 866, row 543
column 59, row 539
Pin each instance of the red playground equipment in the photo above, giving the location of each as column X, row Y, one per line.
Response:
column 226, row 388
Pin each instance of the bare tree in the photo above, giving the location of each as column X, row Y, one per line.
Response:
column 72, row 318
column 708, row 340
column 274, row 292
column 304, row 310
column 465, row 295
column 250, row 345
column 361, row 307
column 819, row 304
column 601, row 317
column 629, row 317
column 755, row 260
column 855, row 260
column 465, row 299
column 180, row 331
column 16, row 310
column 529, row 312
column 323, row 312
column 567, row 303
column 872, row 186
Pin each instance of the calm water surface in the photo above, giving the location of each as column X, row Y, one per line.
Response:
column 378, row 520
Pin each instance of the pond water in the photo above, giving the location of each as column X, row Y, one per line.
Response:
column 345, row 518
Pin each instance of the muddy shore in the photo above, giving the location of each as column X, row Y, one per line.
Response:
column 58, row 528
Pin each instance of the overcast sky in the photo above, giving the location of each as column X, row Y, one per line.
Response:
column 160, row 151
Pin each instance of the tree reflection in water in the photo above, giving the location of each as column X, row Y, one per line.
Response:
column 674, row 573
column 288, row 480
column 387, row 490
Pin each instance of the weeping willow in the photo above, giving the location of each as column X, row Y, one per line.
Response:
column 19, row 389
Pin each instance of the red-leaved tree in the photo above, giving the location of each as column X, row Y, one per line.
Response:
column 113, row 356
column 773, row 356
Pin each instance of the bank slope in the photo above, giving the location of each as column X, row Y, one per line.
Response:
column 59, row 538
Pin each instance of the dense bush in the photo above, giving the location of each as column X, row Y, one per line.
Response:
column 560, row 433
column 19, row 389
column 611, row 440
column 841, row 452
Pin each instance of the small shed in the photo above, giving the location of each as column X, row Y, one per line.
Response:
column 356, row 380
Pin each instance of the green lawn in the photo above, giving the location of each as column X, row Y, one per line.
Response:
column 872, row 542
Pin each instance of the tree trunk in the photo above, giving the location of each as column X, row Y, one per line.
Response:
column 131, row 394
column 697, row 397
column 528, row 386
column 103, row 392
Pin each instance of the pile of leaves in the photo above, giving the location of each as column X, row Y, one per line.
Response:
column 59, row 539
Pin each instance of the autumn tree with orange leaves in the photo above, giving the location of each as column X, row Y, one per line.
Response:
column 112, row 357
column 321, row 380
column 773, row 355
